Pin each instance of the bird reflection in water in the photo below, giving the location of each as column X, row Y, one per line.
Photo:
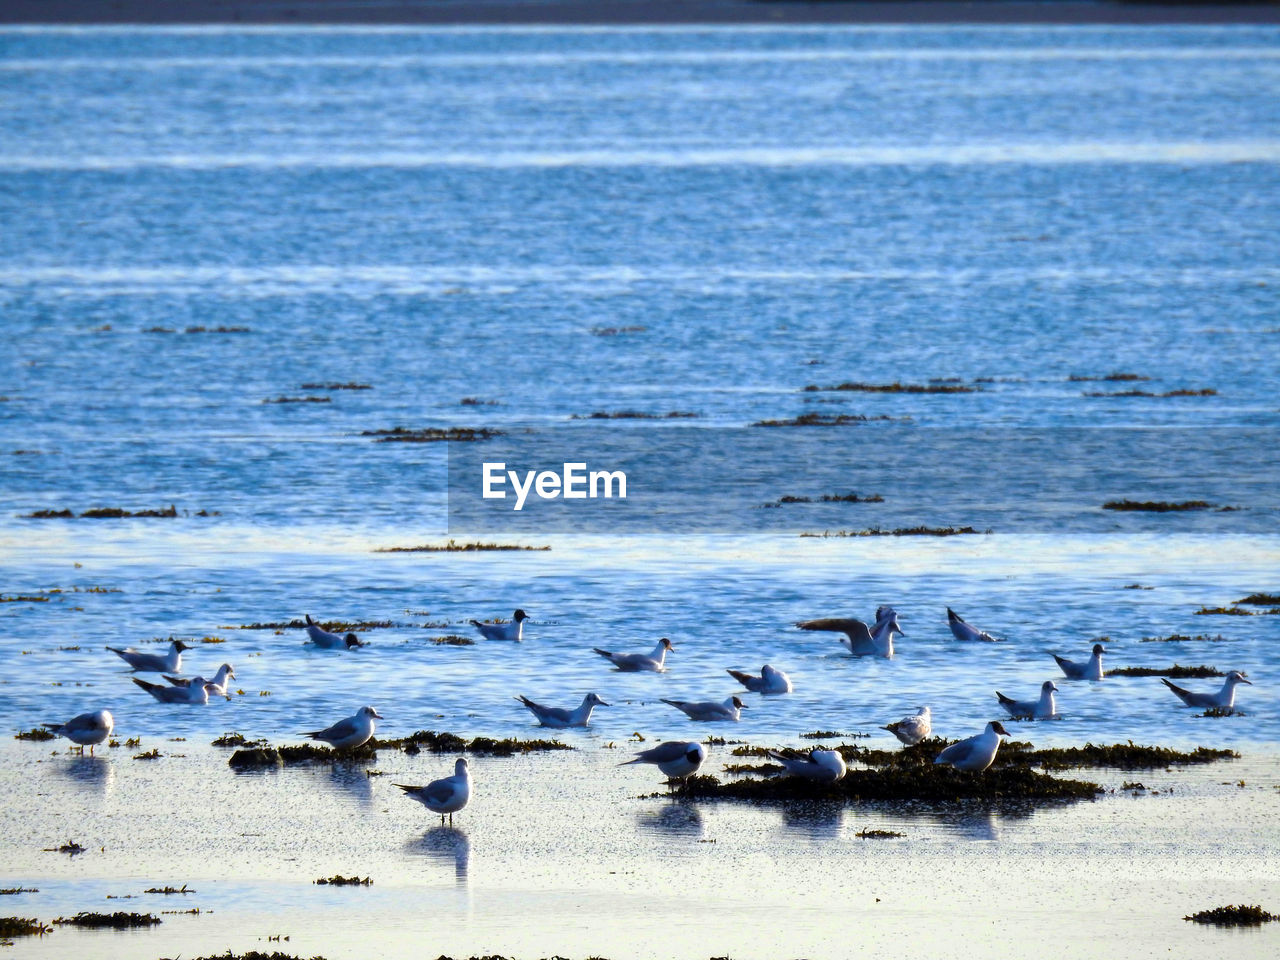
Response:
column 676, row 819
column 350, row 780
column 92, row 775
column 821, row 821
column 445, row 843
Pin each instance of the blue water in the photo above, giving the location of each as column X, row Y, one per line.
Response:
column 559, row 222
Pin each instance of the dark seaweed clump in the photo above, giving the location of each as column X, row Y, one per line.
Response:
column 896, row 388
column 868, row 834
column 299, row 400
column 104, row 513
column 1182, row 638
column 828, row 498
column 824, row 420
column 1223, row 612
column 236, row 740
column 337, row 386
column 333, row 626
column 453, row 640
column 21, row 927
column 259, row 757
column 1121, row 756
column 1233, row 916
column 454, row 547
column 634, row 415
column 1116, row 377
column 340, row 881
column 116, row 921
column 169, row 890
column 1261, row 600
column 899, row 532
column 1156, row 506
column 35, row 734
column 1176, row 671
column 255, row 758
column 431, row 434
column 1205, row 392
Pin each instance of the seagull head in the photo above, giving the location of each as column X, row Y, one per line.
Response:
column 1236, row 676
column 666, row 643
column 737, row 703
column 1047, row 686
column 352, row 640
column 995, row 726
column 596, row 700
column 370, row 712
column 460, row 767
column 519, row 615
column 181, row 645
column 1098, row 650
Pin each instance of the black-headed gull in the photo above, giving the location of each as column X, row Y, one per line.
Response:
column 1090, row 669
column 86, row 730
column 513, row 631
column 354, row 731
column 1042, row 709
column 825, row 766
column 861, row 640
column 559, row 717
column 976, row 753
column 170, row 662
column 655, row 662
column 445, row 796
column 324, row 640
column 218, row 685
column 911, row 730
column 677, row 759
column 708, row 711
column 771, row 680
column 196, row 694
column 1224, row 699
column 963, row 631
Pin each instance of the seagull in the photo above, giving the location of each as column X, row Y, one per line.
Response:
column 513, row 631
column 446, row 796
column 1090, row 669
column 825, row 766
column 1224, row 699
column 911, row 730
column 709, row 711
column 354, row 731
column 559, row 717
column 1042, row 709
column 963, row 631
column 975, row 753
column 87, row 729
column 217, row 685
column 170, row 662
column 677, row 759
column 630, row 662
column 771, row 680
column 862, row 641
column 195, row 694
column 324, row 640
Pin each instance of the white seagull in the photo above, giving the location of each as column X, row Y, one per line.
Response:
column 1042, row 709
column 446, row 796
column 976, row 753
column 911, row 730
column 861, row 640
column 964, row 631
column 324, row 640
column 218, row 685
column 87, row 729
column 708, row 711
column 1090, row 669
column 771, row 680
column 196, row 694
column 677, row 759
column 559, row 717
column 825, row 766
column 1224, row 699
column 354, row 731
column 170, row 662
column 630, row 662
column 513, row 631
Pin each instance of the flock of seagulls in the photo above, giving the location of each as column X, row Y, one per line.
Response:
column 677, row 760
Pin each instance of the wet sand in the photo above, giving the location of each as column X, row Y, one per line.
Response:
column 616, row 12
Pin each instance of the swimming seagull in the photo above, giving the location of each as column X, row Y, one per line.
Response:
column 911, row 730
column 218, row 685
column 630, row 662
column 709, row 711
column 963, row 631
column 1042, row 709
column 196, row 694
column 324, row 640
column 825, row 766
column 446, row 796
column 513, row 631
column 677, row 759
column 862, row 641
column 87, row 729
column 771, row 680
column 1090, row 669
column 1224, row 699
column 354, row 731
column 170, row 662
column 559, row 717
column 976, row 753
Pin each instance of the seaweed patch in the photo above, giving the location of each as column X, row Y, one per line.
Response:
column 1234, row 916
column 454, row 547
column 431, row 434
column 900, row 532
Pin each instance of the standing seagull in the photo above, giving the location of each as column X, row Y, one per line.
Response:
column 976, row 753
column 195, row 694
column 911, row 730
column 324, row 640
column 1042, row 709
column 964, row 631
column 170, row 662
column 513, row 631
column 677, row 759
column 446, row 796
column 708, row 711
column 559, row 717
column 86, row 730
column 631, row 662
column 771, row 680
column 218, row 685
column 825, row 766
column 862, row 641
column 354, row 731
column 1090, row 669
column 1224, row 699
